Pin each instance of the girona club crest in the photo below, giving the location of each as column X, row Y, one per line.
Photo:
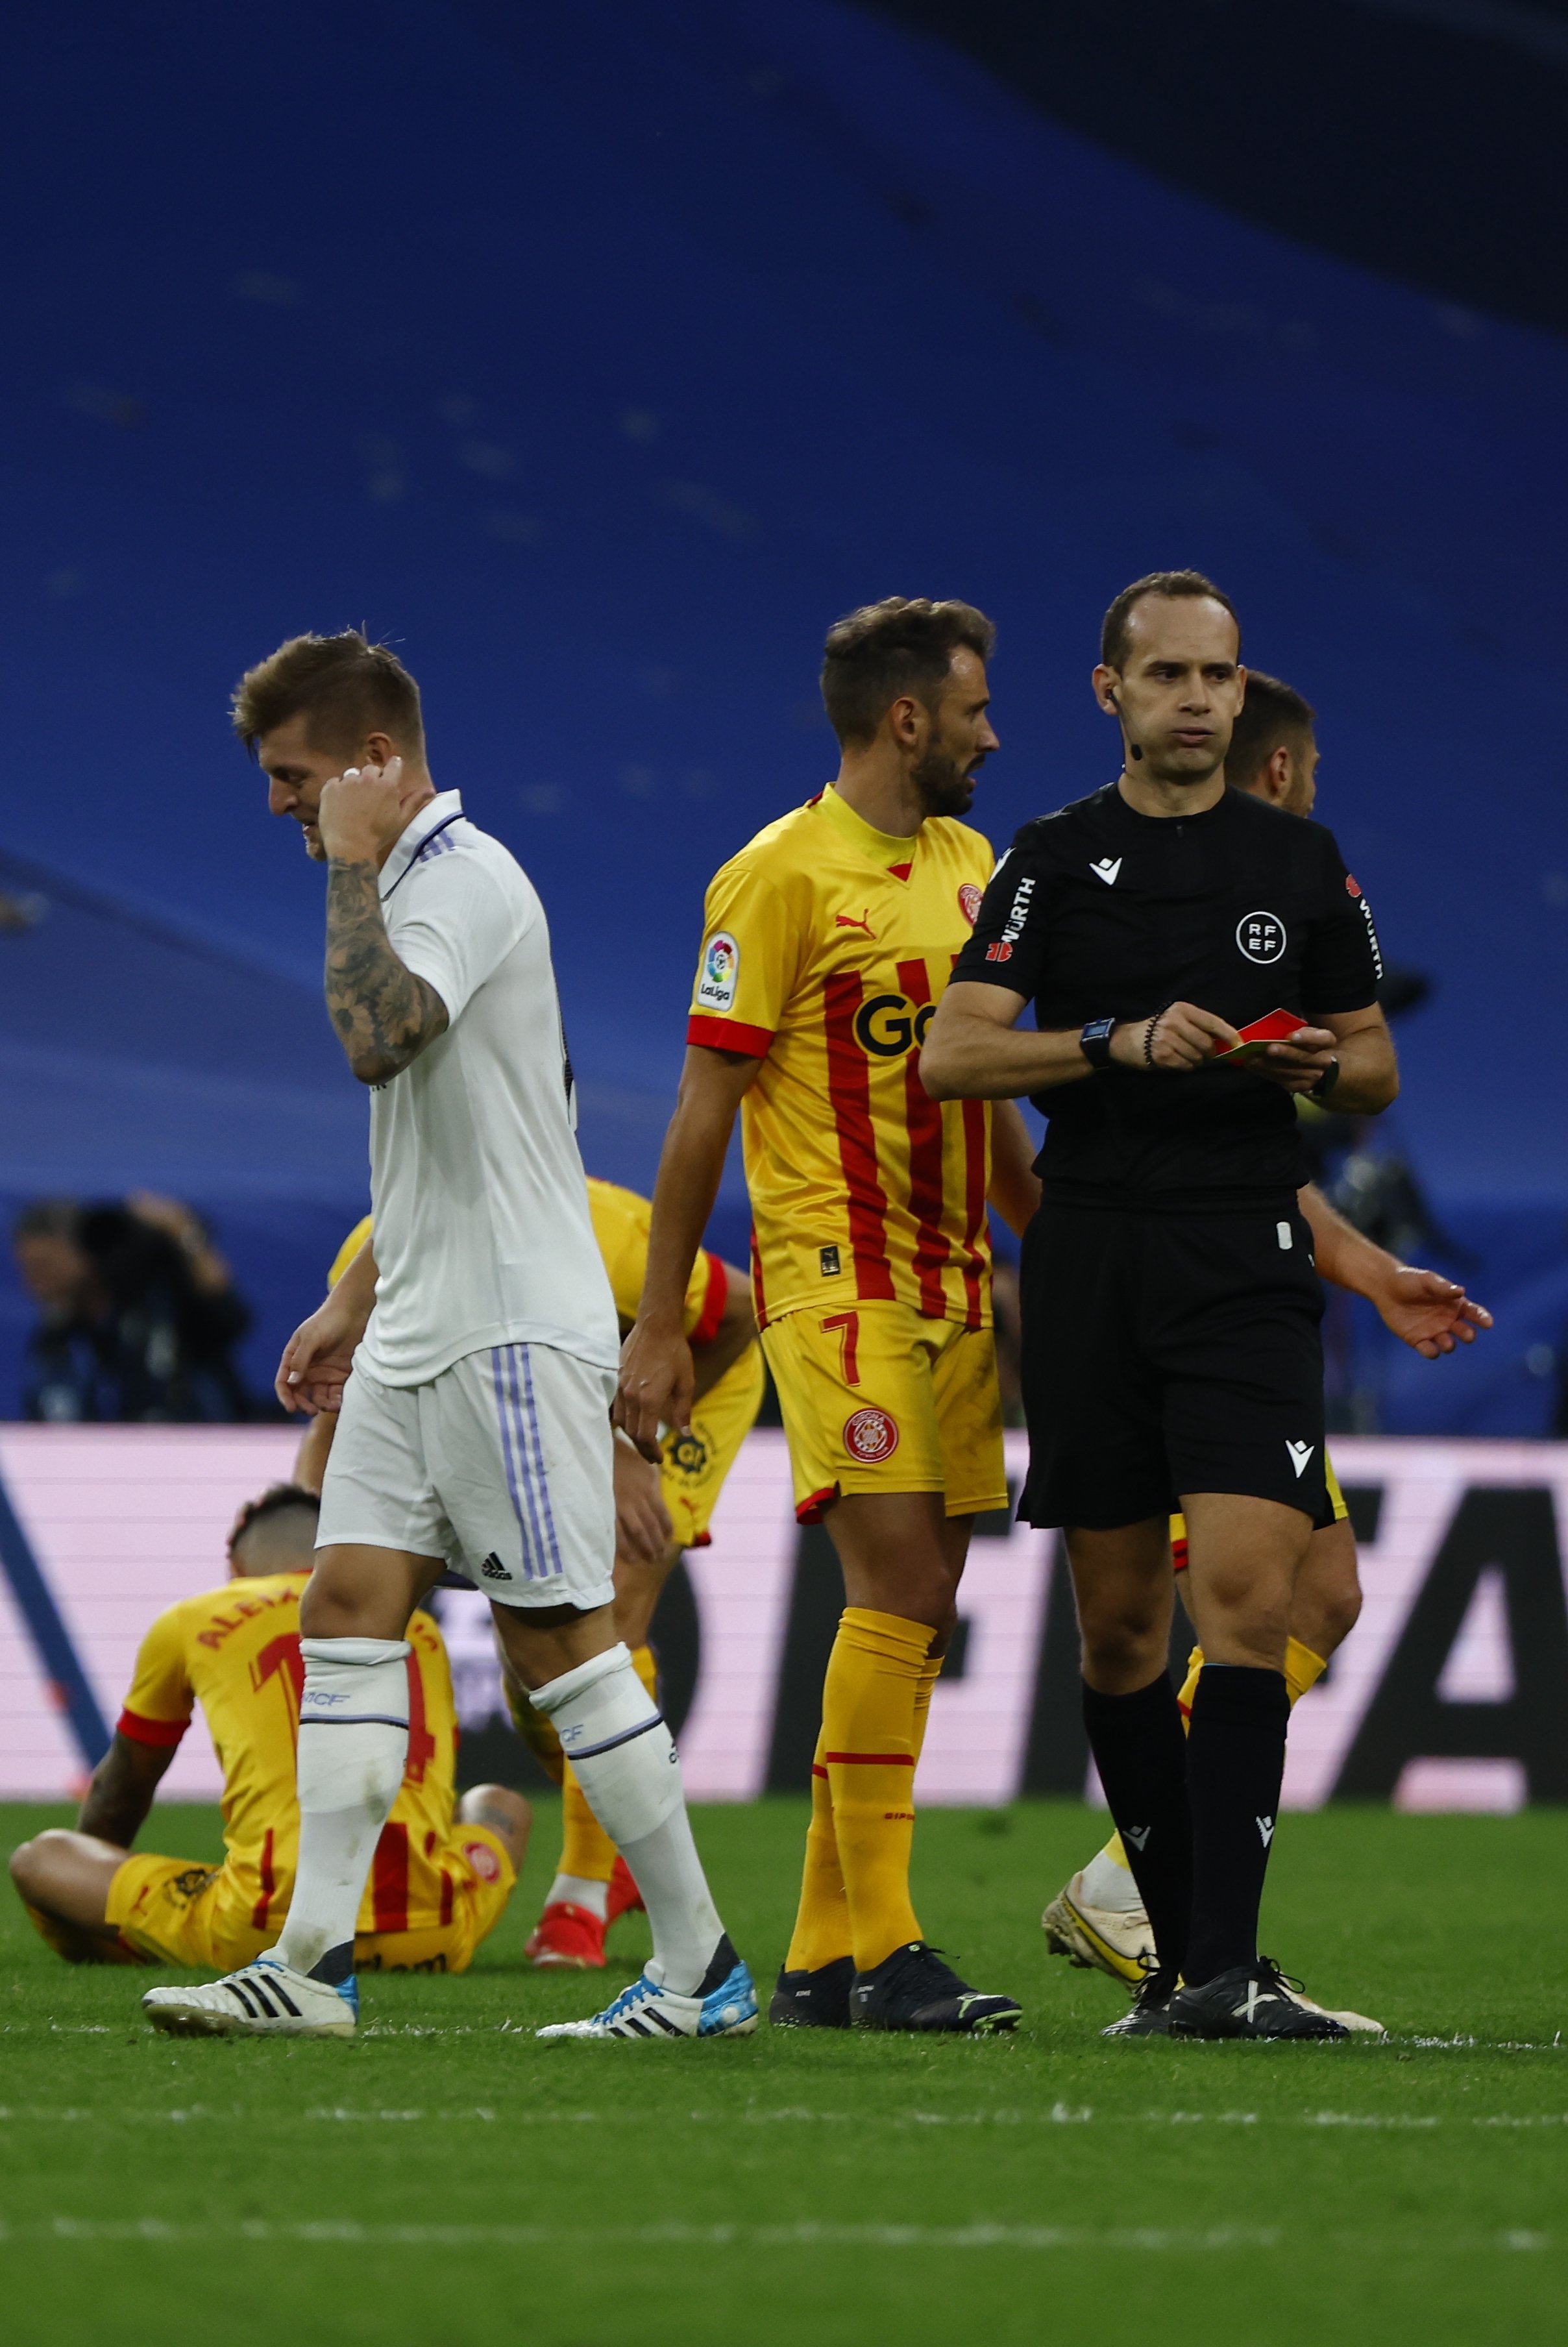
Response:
column 870, row 1436
column 969, row 898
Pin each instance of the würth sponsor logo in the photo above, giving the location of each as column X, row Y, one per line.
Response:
column 870, row 1435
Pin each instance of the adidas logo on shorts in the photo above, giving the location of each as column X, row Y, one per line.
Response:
column 493, row 1569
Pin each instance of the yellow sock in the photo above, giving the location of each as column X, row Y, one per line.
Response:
column 1303, row 1669
column 821, row 1934
column 868, row 1721
column 586, row 1849
column 1115, row 1850
column 822, row 1921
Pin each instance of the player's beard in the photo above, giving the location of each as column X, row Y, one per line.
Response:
column 941, row 784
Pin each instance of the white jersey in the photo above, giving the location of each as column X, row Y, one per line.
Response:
column 482, row 1235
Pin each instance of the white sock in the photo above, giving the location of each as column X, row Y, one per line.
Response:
column 615, row 1738
column 580, row 1890
column 1111, row 1887
column 354, row 1742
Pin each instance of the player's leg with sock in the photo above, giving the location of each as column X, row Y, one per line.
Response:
column 616, row 1738
column 582, row 1899
column 1121, row 1579
column 902, row 1557
column 1245, row 1554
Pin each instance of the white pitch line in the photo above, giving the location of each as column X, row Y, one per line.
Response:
column 1056, row 2114
column 158, row 2232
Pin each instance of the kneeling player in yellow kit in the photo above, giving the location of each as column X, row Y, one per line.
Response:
column 660, row 1513
column 440, row 1881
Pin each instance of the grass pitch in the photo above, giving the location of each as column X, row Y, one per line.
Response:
column 445, row 2181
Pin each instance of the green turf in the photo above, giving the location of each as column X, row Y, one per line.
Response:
column 444, row 2180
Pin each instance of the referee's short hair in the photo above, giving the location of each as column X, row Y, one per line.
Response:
column 1272, row 717
column 901, row 645
column 1173, row 584
column 344, row 686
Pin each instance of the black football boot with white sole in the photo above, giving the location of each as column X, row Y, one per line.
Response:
column 816, row 2000
column 1249, row 2001
column 914, row 1989
column 1150, row 2012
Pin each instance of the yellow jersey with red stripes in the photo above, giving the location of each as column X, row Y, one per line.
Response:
column 826, row 948
column 621, row 1220
column 236, row 1652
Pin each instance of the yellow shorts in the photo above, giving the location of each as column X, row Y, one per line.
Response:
column 172, row 1911
column 696, row 1464
column 1335, row 1502
column 878, row 1399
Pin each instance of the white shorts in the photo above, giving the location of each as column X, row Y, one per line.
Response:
column 501, row 1465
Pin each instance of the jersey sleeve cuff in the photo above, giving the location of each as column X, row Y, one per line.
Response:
column 141, row 1730
column 713, row 1304
column 729, row 1035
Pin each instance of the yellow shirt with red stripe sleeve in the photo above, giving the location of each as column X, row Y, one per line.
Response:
column 236, row 1652
column 621, row 1222
column 825, row 949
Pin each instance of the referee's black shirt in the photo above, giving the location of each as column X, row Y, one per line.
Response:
column 1100, row 912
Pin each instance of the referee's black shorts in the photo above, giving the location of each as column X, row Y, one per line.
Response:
column 1166, row 1353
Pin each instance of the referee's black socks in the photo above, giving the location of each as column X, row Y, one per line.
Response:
column 1236, row 1762
column 1140, row 1753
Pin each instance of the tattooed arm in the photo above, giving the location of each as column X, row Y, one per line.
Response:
column 382, row 1013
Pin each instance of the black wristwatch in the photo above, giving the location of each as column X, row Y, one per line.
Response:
column 1095, row 1043
column 1326, row 1082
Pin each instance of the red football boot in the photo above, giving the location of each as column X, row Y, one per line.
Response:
column 567, row 1939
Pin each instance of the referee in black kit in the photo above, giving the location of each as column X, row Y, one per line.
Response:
column 1171, row 1308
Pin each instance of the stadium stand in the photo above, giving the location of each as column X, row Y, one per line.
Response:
column 465, row 335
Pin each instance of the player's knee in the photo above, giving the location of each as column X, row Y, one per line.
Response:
column 24, row 1868
column 1123, row 1647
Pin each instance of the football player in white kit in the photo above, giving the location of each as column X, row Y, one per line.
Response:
column 474, row 1429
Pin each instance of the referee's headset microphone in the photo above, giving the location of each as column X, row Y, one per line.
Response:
column 1132, row 745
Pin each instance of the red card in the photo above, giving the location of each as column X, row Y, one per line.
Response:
column 1276, row 1027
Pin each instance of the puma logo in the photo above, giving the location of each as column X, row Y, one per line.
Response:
column 848, row 921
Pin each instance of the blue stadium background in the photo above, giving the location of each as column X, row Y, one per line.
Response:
column 598, row 359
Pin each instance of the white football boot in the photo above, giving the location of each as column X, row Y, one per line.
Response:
column 266, row 1999
column 724, row 2006
column 1116, row 1941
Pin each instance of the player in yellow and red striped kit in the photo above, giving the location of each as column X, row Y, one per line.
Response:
column 828, row 944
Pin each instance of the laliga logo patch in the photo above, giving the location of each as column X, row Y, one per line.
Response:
column 721, row 968
column 1261, row 936
column 870, row 1436
column 969, row 898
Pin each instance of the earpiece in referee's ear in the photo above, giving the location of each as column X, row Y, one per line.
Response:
column 1116, row 705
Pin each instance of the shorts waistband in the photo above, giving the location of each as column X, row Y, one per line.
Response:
column 1111, row 1199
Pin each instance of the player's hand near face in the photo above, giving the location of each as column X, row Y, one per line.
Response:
column 1428, row 1313
column 362, row 816
column 1179, row 1037
column 643, row 1529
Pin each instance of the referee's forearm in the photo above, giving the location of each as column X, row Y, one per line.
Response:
column 966, row 1057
